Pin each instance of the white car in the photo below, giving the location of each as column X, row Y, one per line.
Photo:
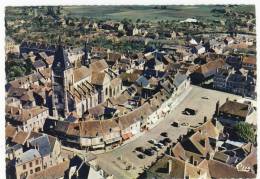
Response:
column 160, row 144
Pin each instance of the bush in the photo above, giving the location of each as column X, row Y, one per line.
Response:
column 245, row 131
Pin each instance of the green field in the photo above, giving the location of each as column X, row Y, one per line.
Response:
column 173, row 12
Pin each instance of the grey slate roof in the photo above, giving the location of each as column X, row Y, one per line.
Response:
column 179, row 78
column 27, row 156
column 43, row 144
column 15, row 148
column 38, row 64
column 142, row 81
column 61, row 60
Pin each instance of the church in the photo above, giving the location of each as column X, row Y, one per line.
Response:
column 76, row 88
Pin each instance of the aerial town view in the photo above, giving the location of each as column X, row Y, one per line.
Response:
column 125, row 92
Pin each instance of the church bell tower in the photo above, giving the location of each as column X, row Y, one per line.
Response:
column 62, row 78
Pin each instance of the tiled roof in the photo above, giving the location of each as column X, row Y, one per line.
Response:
column 25, row 114
column 99, row 65
column 98, row 78
column 221, row 170
column 235, row 108
column 20, row 137
column 249, row 60
column 10, row 131
column 81, row 73
column 57, row 171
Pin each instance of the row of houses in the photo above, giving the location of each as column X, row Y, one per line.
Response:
column 93, row 133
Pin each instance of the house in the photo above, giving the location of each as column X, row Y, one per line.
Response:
column 97, row 134
column 56, row 171
column 113, row 59
column 27, row 119
column 249, row 63
column 248, row 164
column 49, row 148
column 155, row 64
column 26, row 47
column 101, row 112
column 10, row 46
column 25, row 81
column 234, row 61
column 39, row 65
column 232, row 112
column 10, row 132
column 228, row 40
column 199, row 143
column 217, row 169
column 169, row 167
column 206, row 71
column 181, row 82
column 27, row 164
column 235, row 82
column 130, row 124
column 20, row 138
column 193, row 41
column 199, row 49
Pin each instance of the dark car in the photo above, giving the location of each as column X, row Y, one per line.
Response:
column 175, row 124
column 159, row 145
column 155, row 148
column 149, row 152
column 189, row 111
column 141, row 156
column 163, row 142
column 168, row 140
column 139, row 149
column 164, row 134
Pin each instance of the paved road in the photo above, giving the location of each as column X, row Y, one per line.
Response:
column 110, row 161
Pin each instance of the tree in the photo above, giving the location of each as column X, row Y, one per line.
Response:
column 138, row 20
column 245, row 131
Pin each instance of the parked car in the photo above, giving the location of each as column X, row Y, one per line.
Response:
column 204, row 97
column 139, row 149
column 155, row 148
column 168, row 140
column 141, row 156
column 161, row 144
column 164, row 134
column 189, row 111
column 175, row 124
column 152, row 141
column 149, row 152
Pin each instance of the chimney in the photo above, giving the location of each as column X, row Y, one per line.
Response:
column 214, row 121
column 72, row 78
column 217, row 108
column 27, row 144
column 191, row 159
column 169, row 166
column 205, row 119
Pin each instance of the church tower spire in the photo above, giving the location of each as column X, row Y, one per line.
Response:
column 62, row 77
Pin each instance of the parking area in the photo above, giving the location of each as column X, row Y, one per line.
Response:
column 124, row 162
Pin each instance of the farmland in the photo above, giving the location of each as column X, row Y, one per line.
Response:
column 150, row 13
